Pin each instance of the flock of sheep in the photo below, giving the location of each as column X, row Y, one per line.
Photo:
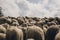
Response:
column 23, row 28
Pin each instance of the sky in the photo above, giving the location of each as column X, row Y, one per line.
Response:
column 31, row 8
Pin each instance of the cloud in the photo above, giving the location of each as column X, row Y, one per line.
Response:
column 9, row 8
column 34, row 1
column 37, row 8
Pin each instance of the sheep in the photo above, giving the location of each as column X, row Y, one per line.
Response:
column 57, row 37
column 2, row 29
column 51, row 32
column 35, row 32
column 2, row 36
column 13, row 33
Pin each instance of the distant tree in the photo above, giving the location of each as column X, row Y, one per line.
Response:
column 1, row 12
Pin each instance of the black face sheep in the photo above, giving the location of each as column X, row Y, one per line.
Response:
column 51, row 32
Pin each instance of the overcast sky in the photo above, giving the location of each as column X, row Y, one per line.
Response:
column 34, row 8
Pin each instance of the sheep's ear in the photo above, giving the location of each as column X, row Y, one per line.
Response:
column 1, row 14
